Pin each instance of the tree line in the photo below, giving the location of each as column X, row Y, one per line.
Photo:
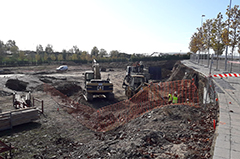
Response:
column 216, row 33
column 11, row 55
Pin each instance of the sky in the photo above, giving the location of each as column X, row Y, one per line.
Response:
column 130, row 26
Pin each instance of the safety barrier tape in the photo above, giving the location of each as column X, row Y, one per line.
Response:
column 237, row 62
column 226, row 75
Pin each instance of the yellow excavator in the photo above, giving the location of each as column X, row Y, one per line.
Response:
column 94, row 85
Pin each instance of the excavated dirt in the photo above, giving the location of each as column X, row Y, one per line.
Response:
column 173, row 131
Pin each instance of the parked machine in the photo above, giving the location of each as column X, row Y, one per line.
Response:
column 137, row 77
column 136, row 69
column 94, row 85
column 136, row 83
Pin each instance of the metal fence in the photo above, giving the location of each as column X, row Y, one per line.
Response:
column 218, row 63
column 226, row 79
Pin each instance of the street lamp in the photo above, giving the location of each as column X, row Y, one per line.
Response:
column 202, row 36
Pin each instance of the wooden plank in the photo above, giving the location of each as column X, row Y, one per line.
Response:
column 22, row 116
column 5, row 124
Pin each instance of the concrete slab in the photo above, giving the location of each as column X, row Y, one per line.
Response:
column 236, row 139
column 235, row 154
column 221, row 153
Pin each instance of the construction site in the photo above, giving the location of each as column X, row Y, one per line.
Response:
column 150, row 109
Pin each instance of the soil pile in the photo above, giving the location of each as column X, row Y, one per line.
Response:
column 173, row 131
column 16, row 84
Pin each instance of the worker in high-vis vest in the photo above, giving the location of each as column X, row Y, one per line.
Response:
column 174, row 98
column 169, row 98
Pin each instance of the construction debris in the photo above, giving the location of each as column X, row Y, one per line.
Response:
column 172, row 131
column 17, row 117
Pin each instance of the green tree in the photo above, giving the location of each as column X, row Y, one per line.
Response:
column 37, row 58
column 234, row 26
column 21, row 55
column 2, row 50
column 60, row 57
column 49, row 49
column 53, row 57
column 12, row 48
column 114, row 53
column 102, row 53
column 94, row 51
column 217, row 42
column 64, row 53
column 74, row 57
column 207, row 30
column 39, row 49
column 76, row 50
column 45, row 57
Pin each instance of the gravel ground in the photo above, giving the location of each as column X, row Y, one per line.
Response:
column 173, row 131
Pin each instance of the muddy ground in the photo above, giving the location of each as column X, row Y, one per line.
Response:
column 174, row 131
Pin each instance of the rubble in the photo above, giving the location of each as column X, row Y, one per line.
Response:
column 173, row 131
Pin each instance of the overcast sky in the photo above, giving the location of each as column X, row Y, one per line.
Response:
column 131, row 26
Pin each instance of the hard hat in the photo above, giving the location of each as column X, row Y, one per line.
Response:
column 175, row 92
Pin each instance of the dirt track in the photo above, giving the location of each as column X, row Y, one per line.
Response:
column 169, row 132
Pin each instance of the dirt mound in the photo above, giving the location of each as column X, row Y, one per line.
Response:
column 175, row 131
column 16, row 85
column 5, row 71
column 67, row 87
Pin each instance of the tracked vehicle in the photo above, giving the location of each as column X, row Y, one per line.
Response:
column 94, row 85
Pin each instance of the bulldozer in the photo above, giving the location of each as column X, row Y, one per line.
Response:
column 94, row 85
column 137, row 68
column 134, row 84
column 137, row 78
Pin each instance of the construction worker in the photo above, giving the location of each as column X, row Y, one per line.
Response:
column 169, row 98
column 174, row 98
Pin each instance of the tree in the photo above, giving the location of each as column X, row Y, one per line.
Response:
column 193, row 45
column 49, row 49
column 76, row 50
column 12, row 47
column 60, row 57
column 39, row 49
column 21, row 55
column 74, row 57
column 53, row 57
column 217, row 42
column 114, row 53
column 64, row 52
column 207, row 30
column 37, row 58
column 2, row 49
column 45, row 57
column 102, row 53
column 94, row 51
column 234, row 26
column 201, row 44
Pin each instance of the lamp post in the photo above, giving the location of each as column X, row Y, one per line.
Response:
column 202, row 36
column 228, row 35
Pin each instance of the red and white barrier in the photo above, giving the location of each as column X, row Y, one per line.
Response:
column 226, row 75
column 236, row 62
